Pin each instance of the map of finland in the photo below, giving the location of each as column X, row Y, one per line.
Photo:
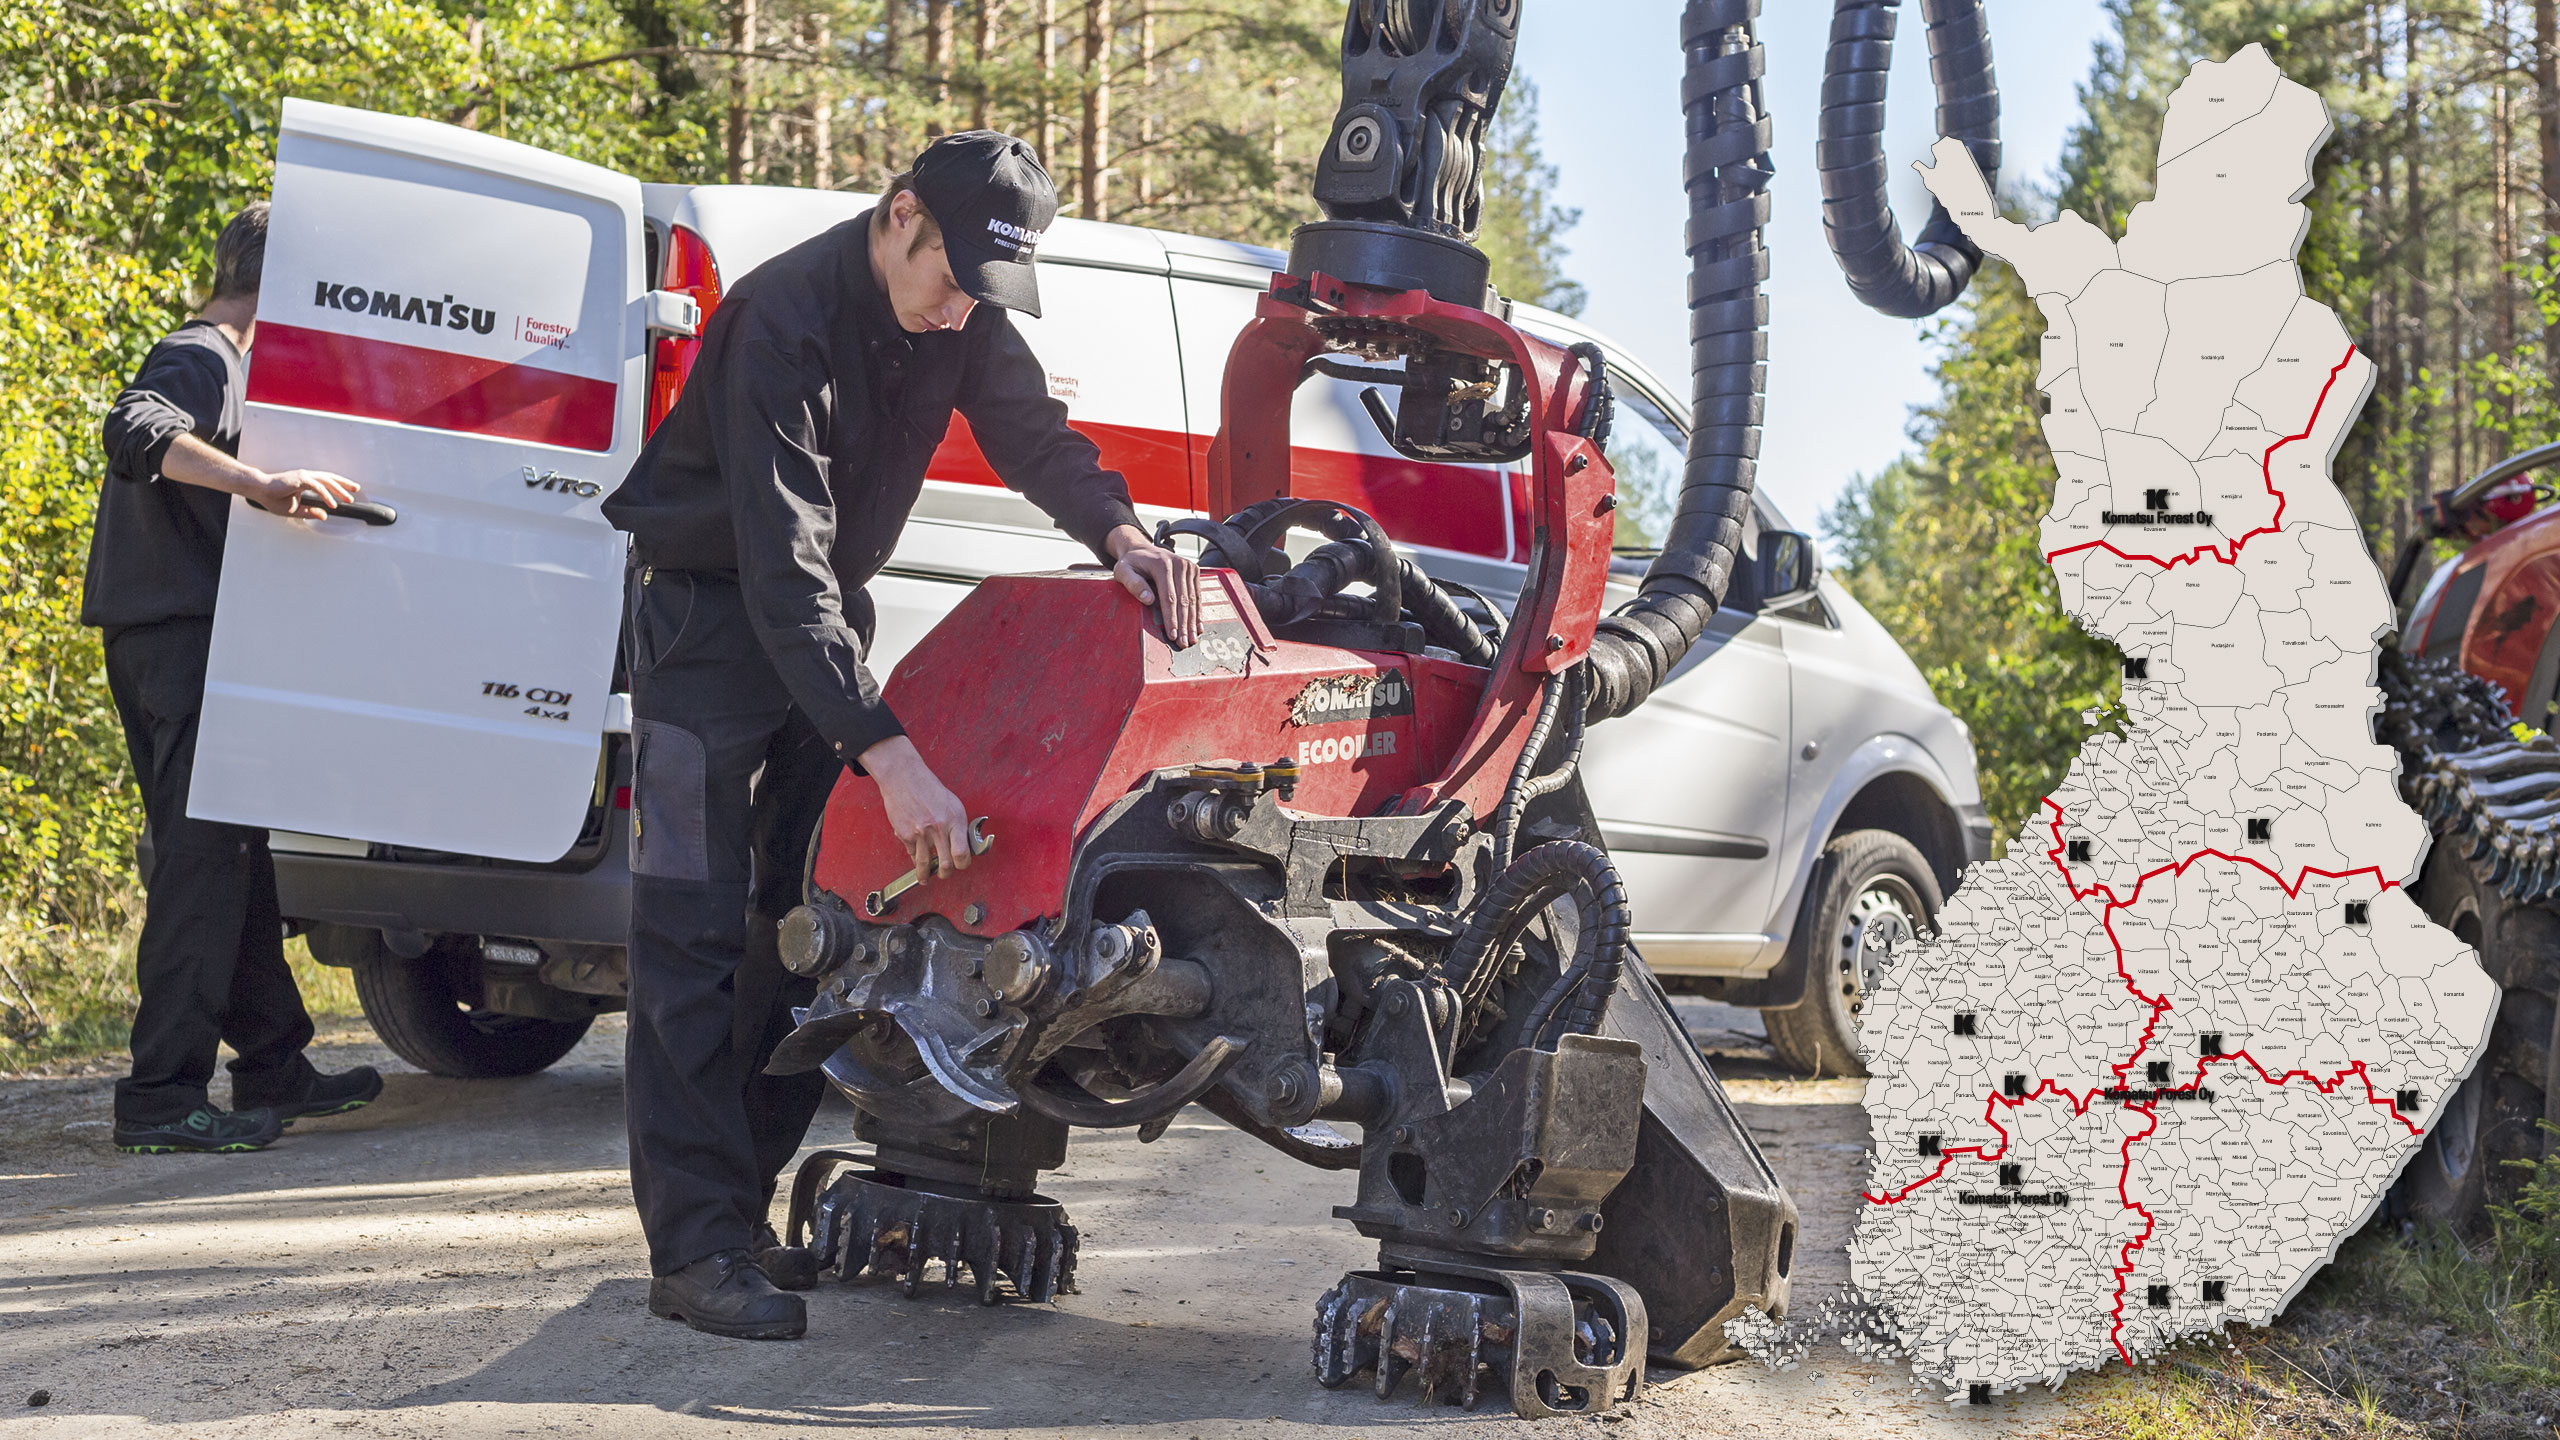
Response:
column 2172, row 1049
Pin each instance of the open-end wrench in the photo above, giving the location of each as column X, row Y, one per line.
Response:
column 877, row 903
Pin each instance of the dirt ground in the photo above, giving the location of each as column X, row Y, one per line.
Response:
column 461, row 1259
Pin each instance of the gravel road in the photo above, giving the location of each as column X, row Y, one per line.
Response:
column 461, row 1260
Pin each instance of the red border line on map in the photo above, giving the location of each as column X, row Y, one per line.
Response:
column 2266, row 474
column 2159, row 1005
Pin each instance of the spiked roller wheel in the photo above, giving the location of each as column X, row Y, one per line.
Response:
column 873, row 1225
column 1561, row 1343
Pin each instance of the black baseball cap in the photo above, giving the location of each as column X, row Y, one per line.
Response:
column 993, row 201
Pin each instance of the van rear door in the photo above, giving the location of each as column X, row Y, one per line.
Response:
column 457, row 323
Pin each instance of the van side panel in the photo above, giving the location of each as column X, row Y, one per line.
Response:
column 1108, row 344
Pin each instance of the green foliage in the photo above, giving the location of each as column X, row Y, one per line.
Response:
column 1523, row 228
column 1942, row 547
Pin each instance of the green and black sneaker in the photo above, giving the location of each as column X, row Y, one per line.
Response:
column 332, row 1095
column 208, row 1132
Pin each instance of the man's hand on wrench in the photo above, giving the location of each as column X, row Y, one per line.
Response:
column 925, row 816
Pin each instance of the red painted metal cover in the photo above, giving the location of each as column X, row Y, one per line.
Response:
column 1042, row 699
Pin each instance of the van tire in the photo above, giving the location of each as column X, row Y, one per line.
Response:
column 417, row 1007
column 1871, row 891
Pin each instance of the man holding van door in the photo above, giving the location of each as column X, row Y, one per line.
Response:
column 773, row 492
column 210, row 964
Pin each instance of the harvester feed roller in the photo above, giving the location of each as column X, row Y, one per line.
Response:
column 1333, row 865
column 2492, row 796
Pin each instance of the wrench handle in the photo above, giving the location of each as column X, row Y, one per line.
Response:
column 877, row 903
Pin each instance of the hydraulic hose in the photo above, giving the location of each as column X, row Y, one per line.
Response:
column 1927, row 275
column 1727, row 172
column 1310, row 589
column 1563, row 697
column 1442, row 622
column 1526, row 887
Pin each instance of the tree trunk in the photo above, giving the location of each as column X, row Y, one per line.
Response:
column 1048, row 78
column 1093, row 149
column 982, row 45
column 2546, row 105
column 937, row 15
column 2504, row 253
column 2413, row 239
column 1147, row 95
column 816, row 35
column 742, row 137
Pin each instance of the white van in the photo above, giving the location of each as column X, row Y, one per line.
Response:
column 483, row 333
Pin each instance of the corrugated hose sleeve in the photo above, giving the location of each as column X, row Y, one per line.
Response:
column 1727, row 171
column 1927, row 275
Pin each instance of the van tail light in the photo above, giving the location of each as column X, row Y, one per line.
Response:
column 689, row 270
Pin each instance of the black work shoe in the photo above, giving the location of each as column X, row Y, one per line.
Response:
column 208, row 1131
column 725, row 1294
column 789, row 1267
column 333, row 1095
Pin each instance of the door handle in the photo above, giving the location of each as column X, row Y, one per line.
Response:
column 367, row 511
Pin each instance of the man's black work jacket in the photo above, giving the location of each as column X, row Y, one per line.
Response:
column 800, row 443
column 157, row 550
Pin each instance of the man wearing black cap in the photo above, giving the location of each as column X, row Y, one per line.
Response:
column 770, row 496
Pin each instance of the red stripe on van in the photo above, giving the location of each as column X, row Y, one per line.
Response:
column 1156, row 462
column 412, row 385
column 1450, row 507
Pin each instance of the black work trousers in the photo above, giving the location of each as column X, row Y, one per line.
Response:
column 210, row 965
column 728, row 786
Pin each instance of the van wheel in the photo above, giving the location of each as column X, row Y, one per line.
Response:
column 419, row 1008
column 2495, row 1117
column 1872, row 893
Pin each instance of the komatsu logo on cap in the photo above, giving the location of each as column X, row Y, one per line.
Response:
column 1027, row 239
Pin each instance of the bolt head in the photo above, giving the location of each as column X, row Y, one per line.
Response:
column 1459, row 1217
column 1397, row 1002
column 1555, row 643
column 1591, row 1222
column 986, row 1006
column 972, row 913
column 1542, row 1218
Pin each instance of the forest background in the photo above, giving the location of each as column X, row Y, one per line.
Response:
column 131, row 129
column 135, row 126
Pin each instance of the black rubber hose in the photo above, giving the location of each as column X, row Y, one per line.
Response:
column 1300, row 594
column 1726, row 172
column 1526, row 887
column 1565, row 697
column 1727, row 175
column 1442, row 622
column 1506, row 813
column 1857, row 217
